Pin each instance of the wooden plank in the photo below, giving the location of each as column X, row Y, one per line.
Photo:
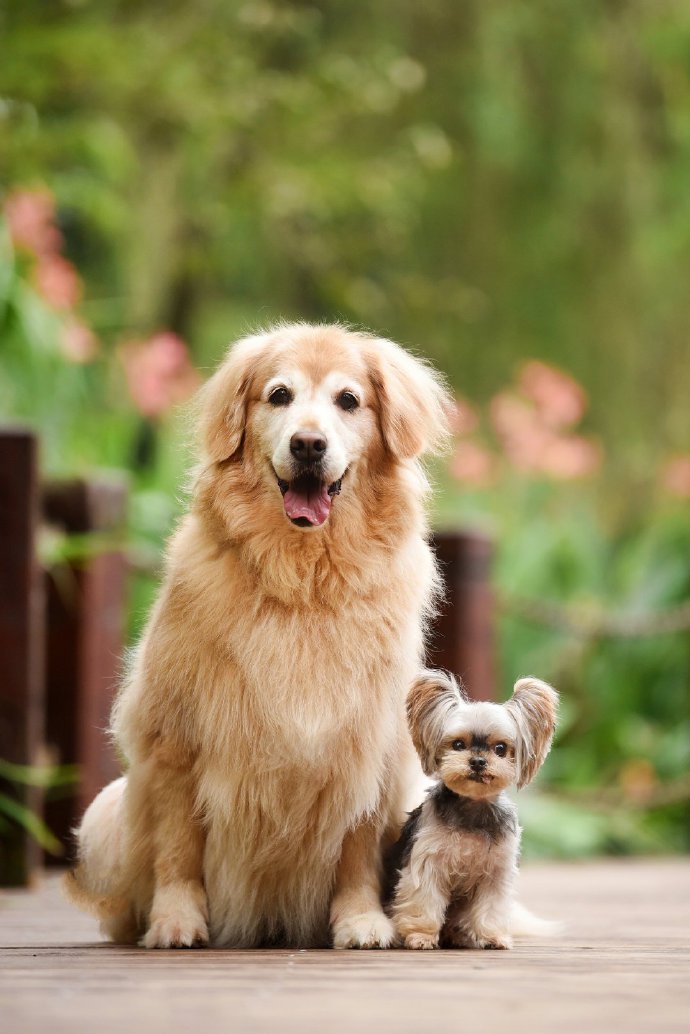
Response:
column 621, row 963
column 85, row 640
column 463, row 635
column 103, row 586
column 62, row 692
column 21, row 635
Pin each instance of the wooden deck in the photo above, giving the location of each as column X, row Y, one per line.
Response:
column 623, row 964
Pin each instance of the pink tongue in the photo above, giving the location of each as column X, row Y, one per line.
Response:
column 315, row 505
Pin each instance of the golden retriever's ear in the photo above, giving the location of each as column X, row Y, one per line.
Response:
column 223, row 400
column 414, row 402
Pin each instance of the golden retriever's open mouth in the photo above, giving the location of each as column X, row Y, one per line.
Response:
column 308, row 499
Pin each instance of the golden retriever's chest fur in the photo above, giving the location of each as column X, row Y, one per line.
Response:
column 308, row 688
column 295, row 680
column 307, row 678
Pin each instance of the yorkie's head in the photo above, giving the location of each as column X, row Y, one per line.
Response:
column 478, row 749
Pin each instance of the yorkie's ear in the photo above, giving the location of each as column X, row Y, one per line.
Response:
column 533, row 707
column 431, row 701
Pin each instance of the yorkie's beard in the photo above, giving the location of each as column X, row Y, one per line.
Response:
column 475, row 789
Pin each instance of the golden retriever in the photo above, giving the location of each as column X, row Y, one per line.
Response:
column 263, row 717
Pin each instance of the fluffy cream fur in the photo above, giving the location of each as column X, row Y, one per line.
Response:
column 263, row 717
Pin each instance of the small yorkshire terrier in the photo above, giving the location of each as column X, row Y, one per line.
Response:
column 455, row 862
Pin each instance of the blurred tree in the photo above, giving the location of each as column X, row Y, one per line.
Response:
column 484, row 180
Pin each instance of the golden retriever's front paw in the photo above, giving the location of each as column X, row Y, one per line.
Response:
column 421, row 941
column 367, row 930
column 179, row 915
column 177, row 932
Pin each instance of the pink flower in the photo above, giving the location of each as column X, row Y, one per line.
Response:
column 570, row 457
column 30, row 217
column 78, row 342
column 675, row 476
column 57, row 281
column 474, row 465
column 559, row 400
column 510, row 414
column 520, row 430
column 159, row 373
column 463, row 417
column 532, row 444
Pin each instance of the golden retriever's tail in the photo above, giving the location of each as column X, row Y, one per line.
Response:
column 100, row 905
column 117, row 919
column 101, row 883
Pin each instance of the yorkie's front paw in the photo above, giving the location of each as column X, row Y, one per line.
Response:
column 421, row 941
column 499, row 943
column 367, row 930
column 494, row 941
column 489, row 940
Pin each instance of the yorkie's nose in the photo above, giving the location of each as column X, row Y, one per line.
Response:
column 307, row 446
column 477, row 764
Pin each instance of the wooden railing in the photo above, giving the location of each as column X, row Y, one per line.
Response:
column 462, row 636
column 61, row 640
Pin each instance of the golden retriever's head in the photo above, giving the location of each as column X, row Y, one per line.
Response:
column 305, row 408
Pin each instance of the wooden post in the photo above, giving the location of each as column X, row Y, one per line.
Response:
column 462, row 639
column 21, row 638
column 86, row 600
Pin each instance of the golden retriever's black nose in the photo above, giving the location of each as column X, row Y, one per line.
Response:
column 478, row 764
column 308, row 446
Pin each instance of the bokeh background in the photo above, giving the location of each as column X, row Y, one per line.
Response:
column 503, row 186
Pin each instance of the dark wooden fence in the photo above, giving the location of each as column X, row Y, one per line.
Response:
column 61, row 633
column 61, row 639
column 22, row 633
column 462, row 638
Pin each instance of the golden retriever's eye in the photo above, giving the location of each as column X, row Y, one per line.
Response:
column 347, row 401
column 458, row 744
column 501, row 749
column 280, row 397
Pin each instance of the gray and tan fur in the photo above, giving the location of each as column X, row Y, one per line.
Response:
column 455, row 862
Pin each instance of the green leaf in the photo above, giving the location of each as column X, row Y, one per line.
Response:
column 30, row 775
column 31, row 822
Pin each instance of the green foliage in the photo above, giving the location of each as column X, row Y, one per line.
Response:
column 486, row 180
column 15, row 814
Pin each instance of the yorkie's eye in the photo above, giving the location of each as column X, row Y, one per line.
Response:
column 280, row 397
column 501, row 749
column 347, row 401
column 458, row 744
